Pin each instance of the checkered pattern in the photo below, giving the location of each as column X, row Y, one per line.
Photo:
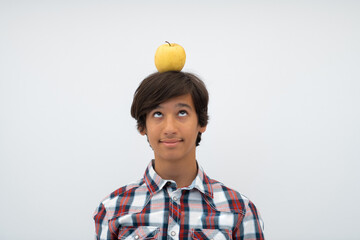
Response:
column 153, row 208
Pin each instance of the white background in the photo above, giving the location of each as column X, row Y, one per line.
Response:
column 283, row 78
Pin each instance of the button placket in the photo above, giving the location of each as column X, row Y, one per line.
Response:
column 176, row 195
column 173, row 229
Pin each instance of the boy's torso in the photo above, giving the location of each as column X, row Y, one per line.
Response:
column 154, row 209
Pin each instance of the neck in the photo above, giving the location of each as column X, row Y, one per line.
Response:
column 183, row 172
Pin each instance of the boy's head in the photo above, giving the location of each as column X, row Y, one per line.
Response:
column 160, row 87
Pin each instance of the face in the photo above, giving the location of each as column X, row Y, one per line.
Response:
column 172, row 129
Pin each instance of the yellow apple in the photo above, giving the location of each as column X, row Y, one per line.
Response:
column 170, row 57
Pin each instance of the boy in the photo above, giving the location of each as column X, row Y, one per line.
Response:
column 175, row 199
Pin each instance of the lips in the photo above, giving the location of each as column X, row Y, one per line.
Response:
column 171, row 142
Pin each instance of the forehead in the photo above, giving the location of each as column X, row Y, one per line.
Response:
column 180, row 101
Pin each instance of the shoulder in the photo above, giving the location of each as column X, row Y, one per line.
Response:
column 226, row 199
column 112, row 204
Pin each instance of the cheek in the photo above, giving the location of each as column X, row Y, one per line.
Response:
column 152, row 134
column 152, row 141
column 193, row 131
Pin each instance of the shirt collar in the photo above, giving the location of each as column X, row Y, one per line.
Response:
column 155, row 183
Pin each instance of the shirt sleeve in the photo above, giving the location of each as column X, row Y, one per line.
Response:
column 102, row 231
column 251, row 226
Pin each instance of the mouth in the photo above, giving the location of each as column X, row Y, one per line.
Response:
column 171, row 142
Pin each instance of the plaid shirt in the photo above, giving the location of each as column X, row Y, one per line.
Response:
column 153, row 208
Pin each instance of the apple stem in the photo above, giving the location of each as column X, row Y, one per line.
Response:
column 168, row 43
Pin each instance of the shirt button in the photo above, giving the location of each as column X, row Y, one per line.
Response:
column 137, row 237
column 173, row 233
column 175, row 199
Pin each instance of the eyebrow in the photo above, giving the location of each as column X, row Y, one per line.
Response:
column 180, row 105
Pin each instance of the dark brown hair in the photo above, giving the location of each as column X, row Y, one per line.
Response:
column 160, row 87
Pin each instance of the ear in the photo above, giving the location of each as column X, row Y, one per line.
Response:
column 143, row 132
column 202, row 129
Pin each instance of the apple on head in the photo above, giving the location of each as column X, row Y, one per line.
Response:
column 170, row 57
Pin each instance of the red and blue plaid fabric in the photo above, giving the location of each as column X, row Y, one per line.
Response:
column 153, row 208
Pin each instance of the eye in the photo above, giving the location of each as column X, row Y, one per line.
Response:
column 157, row 114
column 182, row 113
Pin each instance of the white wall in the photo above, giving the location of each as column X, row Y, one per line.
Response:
column 284, row 129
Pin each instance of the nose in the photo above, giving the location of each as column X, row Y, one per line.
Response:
column 170, row 126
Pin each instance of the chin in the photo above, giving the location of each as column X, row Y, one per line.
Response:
column 170, row 157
